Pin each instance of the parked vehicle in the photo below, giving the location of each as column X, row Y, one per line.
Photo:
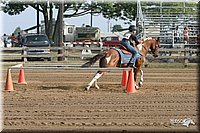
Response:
column 79, row 36
column 87, row 34
column 111, row 41
column 38, row 44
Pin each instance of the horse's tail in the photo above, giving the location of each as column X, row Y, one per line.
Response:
column 93, row 60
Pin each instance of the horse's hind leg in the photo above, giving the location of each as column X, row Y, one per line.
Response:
column 94, row 80
column 96, row 85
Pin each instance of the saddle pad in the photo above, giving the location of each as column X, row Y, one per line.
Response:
column 125, row 58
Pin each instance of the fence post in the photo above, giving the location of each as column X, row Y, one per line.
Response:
column 173, row 39
column 24, row 53
column 63, row 49
column 186, row 54
column 66, row 53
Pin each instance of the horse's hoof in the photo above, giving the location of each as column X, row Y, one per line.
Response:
column 97, row 87
column 87, row 88
column 136, row 87
column 140, row 84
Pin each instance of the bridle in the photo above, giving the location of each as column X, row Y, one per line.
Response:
column 156, row 47
column 152, row 50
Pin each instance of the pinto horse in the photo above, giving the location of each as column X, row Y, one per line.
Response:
column 111, row 58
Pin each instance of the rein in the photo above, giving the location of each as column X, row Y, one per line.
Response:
column 144, row 47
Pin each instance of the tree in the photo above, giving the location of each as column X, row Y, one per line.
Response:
column 111, row 10
column 15, row 7
column 119, row 10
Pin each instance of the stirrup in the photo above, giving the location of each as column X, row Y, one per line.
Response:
column 132, row 65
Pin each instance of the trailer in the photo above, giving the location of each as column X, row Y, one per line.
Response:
column 81, row 36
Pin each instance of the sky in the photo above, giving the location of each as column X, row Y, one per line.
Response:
column 28, row 19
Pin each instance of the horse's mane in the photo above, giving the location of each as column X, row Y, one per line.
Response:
column 149, row 38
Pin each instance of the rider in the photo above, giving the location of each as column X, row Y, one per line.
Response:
column 129, row 40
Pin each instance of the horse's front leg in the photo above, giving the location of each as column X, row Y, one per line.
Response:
column 94, row 80
column 141, row 78
column 135, row 77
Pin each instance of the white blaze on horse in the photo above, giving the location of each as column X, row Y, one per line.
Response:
column 120, row 57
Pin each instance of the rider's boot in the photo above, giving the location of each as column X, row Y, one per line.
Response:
column 132, row 62
column 132, row 65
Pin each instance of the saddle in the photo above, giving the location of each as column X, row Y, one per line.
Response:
column 124, row 49
column 125, row 55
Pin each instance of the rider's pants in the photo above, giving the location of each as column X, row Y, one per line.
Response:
column 130, row 48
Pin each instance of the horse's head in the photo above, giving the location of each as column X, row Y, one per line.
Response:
column 155, row 46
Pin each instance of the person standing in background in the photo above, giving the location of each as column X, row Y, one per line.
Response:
column 177, row 35
column 19, row 39
column 5, row 40
column 185, row 34
column 12, row 37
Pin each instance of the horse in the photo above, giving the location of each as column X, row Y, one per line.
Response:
column 112, row 58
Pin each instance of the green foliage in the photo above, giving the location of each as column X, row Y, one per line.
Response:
column 14, row 9
column 119, row 10
column 110, row 10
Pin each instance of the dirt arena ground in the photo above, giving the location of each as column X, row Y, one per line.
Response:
column 56, row 100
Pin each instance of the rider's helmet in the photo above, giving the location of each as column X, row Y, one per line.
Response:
column 132, row 28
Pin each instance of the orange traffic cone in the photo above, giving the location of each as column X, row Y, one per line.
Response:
column 131, row 83
column 124, row 78
column 9, row 83
column 21, row 78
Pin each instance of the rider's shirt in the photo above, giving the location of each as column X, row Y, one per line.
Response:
column 130, row 36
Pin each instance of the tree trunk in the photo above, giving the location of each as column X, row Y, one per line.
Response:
column 60, row 30
column 50, row 24
column 46, row 22
column 56, row 30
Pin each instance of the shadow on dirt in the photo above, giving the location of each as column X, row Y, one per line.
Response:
column 55, row 87
column 103, row 88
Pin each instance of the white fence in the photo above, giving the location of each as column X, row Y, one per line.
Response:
column 76, row 52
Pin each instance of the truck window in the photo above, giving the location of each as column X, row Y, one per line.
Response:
column 108, row 39
column 111, row 39
column 70, row 30
column 115, row 39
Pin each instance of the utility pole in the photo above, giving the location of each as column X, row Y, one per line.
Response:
column 108, row 25
column 90, row 3
column 38, row 19
column 60, row 36
column 91, row 17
